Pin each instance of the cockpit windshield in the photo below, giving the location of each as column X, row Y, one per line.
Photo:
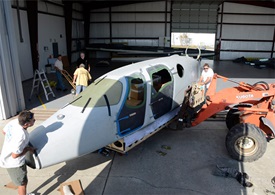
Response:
column 96, row 91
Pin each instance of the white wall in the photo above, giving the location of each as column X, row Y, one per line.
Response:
column 50, row 30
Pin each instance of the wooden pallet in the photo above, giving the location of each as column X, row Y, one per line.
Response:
column 43, row 114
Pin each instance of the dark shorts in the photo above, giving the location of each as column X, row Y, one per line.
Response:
column 18, row 175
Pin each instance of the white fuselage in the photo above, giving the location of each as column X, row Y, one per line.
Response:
column 118, row 104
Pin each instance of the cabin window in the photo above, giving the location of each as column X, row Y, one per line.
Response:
column 180, row 70
column 160, row 78
column 96, row 91
column 136, row 92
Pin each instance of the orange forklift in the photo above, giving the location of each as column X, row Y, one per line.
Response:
column 250, row 117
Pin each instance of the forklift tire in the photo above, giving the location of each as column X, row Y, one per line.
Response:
column 232, row 118
column 246, row 142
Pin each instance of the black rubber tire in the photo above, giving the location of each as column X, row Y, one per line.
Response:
column 252, row 135
column 232, row 118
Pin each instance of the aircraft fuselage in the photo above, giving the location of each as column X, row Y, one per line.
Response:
column 118, row 104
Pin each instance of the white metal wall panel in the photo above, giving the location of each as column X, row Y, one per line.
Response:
column 99, row 30
column 124, row 30
column 244, row 8
column 155, row 6
column 230, row 45
column 46, row 37
column 123, row 17
column 242, row 32
column 254, row 32
column 141, row 17
column 137, row 30
column 44, row 6
column 131, row 24
column 149, row 30
column 249, row 19
column 21, row 3
column 99, row 17
column 142, row 7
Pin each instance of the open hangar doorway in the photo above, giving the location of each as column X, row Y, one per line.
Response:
column 194, row 25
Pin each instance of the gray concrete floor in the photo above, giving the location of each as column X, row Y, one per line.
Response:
column 185, row 169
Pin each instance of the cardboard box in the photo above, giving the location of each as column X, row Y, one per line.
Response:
column 75, row 187
column 137, row 89
column 137, row 94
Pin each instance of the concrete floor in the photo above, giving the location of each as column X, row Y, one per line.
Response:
column 186, row 168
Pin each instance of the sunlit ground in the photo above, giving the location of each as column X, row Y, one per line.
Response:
column 204, row 41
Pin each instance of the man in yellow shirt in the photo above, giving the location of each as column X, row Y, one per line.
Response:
column 81, row 78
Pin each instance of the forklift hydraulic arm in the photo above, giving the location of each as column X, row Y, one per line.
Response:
column 260, row 94
column 250, row 122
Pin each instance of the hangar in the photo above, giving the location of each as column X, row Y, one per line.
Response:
column 33, row 30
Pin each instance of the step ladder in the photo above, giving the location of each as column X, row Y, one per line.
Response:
column 41, row 78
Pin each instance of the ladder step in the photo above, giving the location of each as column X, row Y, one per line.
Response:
column 40, row 76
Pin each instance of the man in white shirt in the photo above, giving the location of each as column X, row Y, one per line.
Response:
column 59, row 68
column 15, row 147
column 206, row 76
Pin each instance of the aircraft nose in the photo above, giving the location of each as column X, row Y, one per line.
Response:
column 32, row 160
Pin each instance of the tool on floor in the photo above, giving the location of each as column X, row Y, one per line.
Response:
column 41, row 78
column 241, row 177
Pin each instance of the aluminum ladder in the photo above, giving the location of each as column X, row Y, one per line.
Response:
column 41, row 78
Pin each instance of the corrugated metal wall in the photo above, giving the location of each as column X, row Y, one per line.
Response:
column 245, row 30
column 140, row 24
column 194, row 17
